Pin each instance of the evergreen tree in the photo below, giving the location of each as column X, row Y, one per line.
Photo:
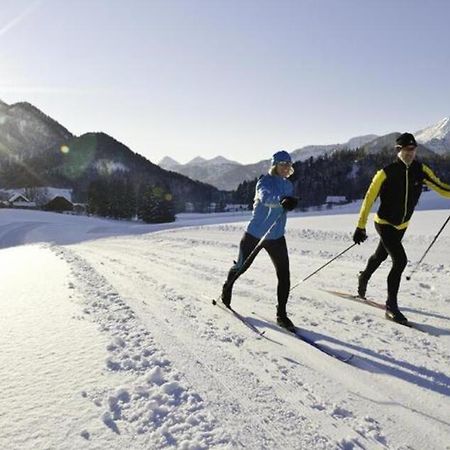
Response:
column 98, row 197
column 112, row 196
column 156, row 205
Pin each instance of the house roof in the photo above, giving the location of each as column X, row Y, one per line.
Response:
column 60, row 199
column 18, row 198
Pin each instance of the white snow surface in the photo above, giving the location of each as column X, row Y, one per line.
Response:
column 109, row 339
column 108, row 167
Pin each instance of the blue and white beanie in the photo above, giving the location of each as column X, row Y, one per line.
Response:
column 281, row 157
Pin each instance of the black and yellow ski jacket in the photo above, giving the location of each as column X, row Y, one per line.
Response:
column 399, row 187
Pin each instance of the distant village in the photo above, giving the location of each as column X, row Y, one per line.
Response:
column 46, row 199
column 60, row 200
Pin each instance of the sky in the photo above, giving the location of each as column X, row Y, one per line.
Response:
column 239, row 78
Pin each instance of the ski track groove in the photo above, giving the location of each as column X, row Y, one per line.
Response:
column 247, row 288
column 308, row 236
column 175, row 242
column 179, row 262
column 338, row 309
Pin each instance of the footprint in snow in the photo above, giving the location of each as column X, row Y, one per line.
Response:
column 341, row 413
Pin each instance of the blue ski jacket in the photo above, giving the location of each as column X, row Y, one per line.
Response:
column 270, row 189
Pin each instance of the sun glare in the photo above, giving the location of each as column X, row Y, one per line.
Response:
column 16, row 20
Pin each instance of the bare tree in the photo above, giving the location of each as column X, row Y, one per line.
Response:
column 38, row 195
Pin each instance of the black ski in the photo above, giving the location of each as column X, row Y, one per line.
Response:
column 296, row 333
column 299, row 335
column 239, row 317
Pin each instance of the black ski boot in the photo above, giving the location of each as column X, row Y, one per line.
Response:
column 284, row 322
column 394, row 314
column 362, row 285
column 226, row 295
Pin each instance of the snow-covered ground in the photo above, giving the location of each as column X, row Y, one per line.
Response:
column 109, row 340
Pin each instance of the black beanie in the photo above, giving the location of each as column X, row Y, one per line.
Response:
column 405, row 139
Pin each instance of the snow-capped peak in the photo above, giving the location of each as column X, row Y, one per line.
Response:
column 436, row 137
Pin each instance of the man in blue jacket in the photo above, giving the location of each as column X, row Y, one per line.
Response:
column 273, row 197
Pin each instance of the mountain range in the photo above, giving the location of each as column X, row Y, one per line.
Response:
column 227, row 175
column 36, row 150
column 218, row 171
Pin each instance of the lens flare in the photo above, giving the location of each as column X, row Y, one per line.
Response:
column 65, row 149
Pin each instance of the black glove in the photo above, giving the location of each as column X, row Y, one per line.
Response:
column 359, row 235
column 289, row 203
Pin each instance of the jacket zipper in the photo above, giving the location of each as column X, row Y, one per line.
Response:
column 406, row 193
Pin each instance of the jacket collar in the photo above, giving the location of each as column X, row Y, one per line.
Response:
column 403, row 163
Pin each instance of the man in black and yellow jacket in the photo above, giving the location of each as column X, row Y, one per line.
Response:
column 399, row 186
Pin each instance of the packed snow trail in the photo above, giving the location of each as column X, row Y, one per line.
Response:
column 400, row 394
column 119, row 333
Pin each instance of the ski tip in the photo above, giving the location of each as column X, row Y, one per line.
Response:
column 214, row 302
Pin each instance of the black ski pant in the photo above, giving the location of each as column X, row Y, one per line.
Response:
column 390, row 244
column 277, row 250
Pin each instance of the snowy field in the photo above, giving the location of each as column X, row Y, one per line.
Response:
column 109, row 340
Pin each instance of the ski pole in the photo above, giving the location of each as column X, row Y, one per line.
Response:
column 252, row 254
column 428, row 249
column 321, row 267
